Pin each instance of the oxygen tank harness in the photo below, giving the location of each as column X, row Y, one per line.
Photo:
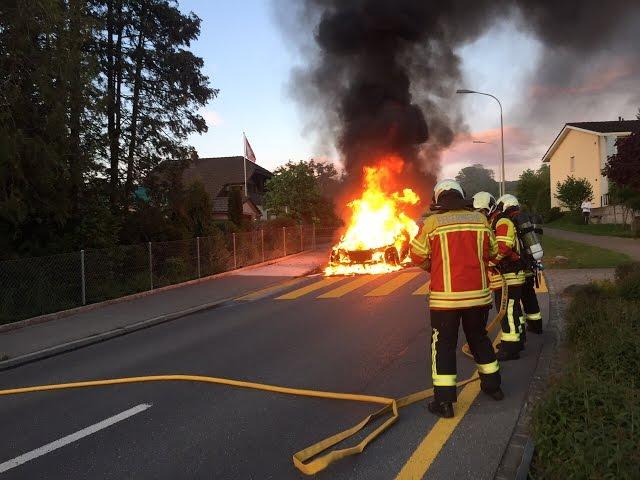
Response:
column 528, row 235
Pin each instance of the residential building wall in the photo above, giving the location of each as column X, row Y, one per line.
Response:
column 579, row 155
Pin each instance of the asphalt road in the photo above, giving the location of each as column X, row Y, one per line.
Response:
column 356, row 342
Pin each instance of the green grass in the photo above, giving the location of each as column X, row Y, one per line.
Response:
column 587, row 424
column 579, row 254
column 569, row 223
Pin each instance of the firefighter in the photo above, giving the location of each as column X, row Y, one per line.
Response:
column 484, row 203
column 510, row 266
column 455, row 245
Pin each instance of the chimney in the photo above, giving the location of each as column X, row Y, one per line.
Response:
column 620, row 119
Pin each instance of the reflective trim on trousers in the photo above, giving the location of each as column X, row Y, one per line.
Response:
column 445, row 380
column 534, row 316
column 513, row 335
column 488, row 368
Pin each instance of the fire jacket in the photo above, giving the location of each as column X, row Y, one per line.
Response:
column 508, row 257
column 458, row 245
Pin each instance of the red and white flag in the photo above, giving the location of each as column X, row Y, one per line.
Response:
column 248, row 151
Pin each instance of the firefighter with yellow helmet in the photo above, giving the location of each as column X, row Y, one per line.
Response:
column 509, row 264
column 455, row 245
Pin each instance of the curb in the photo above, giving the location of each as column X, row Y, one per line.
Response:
column 87, row 308
column 101, row 337
column 121, row 331
column 516, row 460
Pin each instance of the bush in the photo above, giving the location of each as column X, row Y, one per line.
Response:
column 553, row 214
column 625, row 270
column 630, row 288
column 586, row 424
column 585, row 428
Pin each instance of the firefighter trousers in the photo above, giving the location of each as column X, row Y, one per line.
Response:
column 511, row 326
column 444, row 340
column 530, row 302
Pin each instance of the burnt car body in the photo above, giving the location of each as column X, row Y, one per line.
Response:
column 389, row 254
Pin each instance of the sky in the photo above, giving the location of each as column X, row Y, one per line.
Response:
column 247, row 58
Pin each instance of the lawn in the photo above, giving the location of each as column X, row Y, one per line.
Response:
column 579, row 254
column 569, row 222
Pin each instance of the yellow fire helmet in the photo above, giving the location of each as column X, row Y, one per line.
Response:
column 507, row 201
column 443, row 186
column 484, row 201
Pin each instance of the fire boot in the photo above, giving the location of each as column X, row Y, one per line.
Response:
column 523, row 338
column 504, row 354
column 535, row 326
column 444, row 409
column 495, row 394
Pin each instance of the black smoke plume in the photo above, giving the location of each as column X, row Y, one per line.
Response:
column 381, row 75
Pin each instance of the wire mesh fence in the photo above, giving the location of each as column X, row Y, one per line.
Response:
column 35, row 286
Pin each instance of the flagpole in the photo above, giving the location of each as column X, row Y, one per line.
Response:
column 244, row 163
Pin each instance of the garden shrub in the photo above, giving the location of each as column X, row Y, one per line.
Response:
column 587, row 424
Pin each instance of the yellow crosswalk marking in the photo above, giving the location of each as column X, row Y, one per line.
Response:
column 325, row 282
column 424, row 289
column 349, row 287
column 543, row 285
column 393, row 284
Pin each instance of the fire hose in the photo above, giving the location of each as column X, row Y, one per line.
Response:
column 304, row 459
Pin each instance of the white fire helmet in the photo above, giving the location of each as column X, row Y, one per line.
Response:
column 507, row 201
column 484, row 201
column 443, row 186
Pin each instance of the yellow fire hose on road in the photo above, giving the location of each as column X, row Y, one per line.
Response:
column 302, row 458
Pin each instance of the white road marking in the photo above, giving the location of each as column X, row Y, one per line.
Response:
column 85, row 432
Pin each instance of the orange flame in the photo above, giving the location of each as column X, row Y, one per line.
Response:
column 377, row 223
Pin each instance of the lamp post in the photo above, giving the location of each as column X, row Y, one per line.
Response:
column 502, row 188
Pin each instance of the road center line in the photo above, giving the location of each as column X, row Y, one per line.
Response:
column 85, row 432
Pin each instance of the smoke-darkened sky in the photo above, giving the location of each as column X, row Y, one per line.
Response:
column 555, row 63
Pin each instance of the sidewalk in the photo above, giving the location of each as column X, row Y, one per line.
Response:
column 629, row 246
column 112, row 320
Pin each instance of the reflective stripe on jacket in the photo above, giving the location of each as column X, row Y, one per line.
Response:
column 508, row 251
column 459, row 245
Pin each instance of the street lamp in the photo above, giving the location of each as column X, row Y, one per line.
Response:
column 462, row 90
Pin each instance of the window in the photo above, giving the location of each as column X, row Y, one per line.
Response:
column 572, row 164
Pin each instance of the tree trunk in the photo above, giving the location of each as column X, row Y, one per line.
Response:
column 135, row 106
column 113, row 154
column 75, row 103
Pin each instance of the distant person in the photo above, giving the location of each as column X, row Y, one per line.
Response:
column 586, row 210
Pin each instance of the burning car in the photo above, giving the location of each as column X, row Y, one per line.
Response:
column 392, row 255
column 377, row 237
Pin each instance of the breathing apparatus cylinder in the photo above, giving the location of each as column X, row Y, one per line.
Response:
column 528, row 232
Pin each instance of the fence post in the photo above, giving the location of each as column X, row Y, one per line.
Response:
column 301, row 242
column 284, row 241
column 150, row 266
column 84, row 286
column 198, row 253
column 262, row 243
column 235, row 260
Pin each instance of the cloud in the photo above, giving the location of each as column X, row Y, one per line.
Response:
column 602, row 77
column 521, row 151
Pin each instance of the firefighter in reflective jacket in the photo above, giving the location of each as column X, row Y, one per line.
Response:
column 455, row 245
column 509, row 264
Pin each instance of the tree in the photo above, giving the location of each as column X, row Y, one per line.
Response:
column 294, row 191
column 234, row 206
column 95, row 95
column 477, row 178
column 573, row 191
column 534, row 189
column 154, row 87
column 623, row 167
